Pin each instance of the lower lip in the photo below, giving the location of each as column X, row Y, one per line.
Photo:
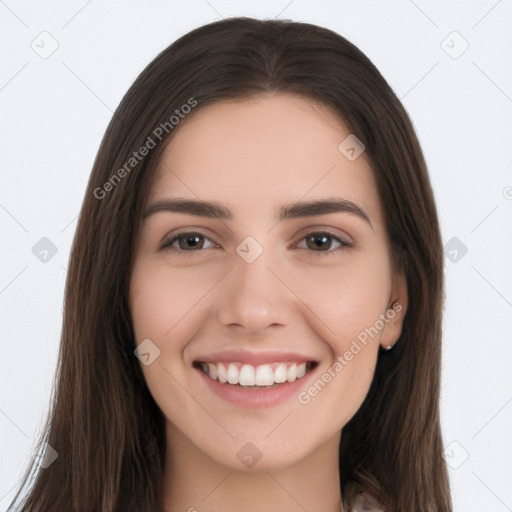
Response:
column 257, row 398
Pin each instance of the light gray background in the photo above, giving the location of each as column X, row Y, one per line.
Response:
column 55, row 110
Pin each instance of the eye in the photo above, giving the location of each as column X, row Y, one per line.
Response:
column 191, row 241
column 320, row 239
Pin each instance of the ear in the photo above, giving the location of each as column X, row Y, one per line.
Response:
column 394, row 316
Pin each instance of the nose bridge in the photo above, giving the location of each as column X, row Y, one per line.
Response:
column 255, row 297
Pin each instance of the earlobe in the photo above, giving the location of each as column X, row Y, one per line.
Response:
column 394, row 316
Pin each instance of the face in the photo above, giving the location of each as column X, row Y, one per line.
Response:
column 286, row 300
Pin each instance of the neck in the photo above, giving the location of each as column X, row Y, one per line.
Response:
column 194, row 482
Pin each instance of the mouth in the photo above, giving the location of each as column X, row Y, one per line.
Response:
column 254, row 380
column 255, row 377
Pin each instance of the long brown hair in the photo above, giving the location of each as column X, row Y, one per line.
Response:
column 107, row 431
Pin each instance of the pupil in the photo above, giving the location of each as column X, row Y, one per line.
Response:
column 192, row 240
column 322, row 237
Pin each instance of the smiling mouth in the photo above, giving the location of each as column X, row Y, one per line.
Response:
column 249, row 376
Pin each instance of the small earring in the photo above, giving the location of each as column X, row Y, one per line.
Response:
column 389, row 347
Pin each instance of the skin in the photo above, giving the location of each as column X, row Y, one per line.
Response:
column 254, row 155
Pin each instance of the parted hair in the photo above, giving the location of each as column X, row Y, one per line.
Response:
column 103, row 423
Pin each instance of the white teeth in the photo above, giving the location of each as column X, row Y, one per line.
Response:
column 249, row 375
column 221, row 373
column 280, row 373
column 291, row 374
column 232, row 374
column 212, row 370
column 264, row 375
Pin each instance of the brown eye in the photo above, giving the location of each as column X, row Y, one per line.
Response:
column 321, row 242
column 186, row 242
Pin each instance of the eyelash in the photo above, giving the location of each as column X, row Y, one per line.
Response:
column 343, row 243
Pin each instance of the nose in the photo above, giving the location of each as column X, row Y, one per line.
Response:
column 256, row 296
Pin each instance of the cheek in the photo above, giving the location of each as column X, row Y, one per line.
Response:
column 162, row 310
column 341, row 299
column 347, row 305
column 161, row 300
column 332, row 303
column 347, row 298
column 150, row 311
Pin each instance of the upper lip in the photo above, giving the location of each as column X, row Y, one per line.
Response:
column 254, row 358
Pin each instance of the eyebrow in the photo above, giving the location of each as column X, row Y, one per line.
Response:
column 216, row 210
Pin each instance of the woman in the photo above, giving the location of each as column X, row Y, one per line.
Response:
column 217, row 352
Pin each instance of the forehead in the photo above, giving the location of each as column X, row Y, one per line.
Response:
column 261, row 152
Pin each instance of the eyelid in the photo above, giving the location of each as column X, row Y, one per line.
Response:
column 319, row 229
column 172, row 237
column 344, row 244
column 344, row 239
